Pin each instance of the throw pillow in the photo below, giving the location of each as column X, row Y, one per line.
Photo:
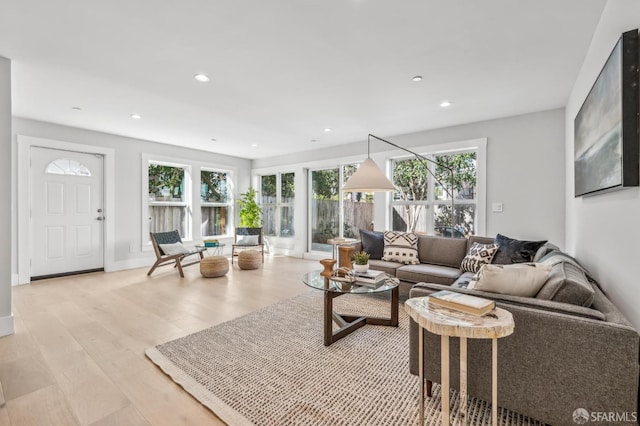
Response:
column 523, row 279
column 515, row 251
column 401, row 247
column 173, row 248
column 247, row 240
column 479, row 254
column 567, row 283
column 372, row 243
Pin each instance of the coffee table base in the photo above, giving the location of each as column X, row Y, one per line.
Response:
column 350, row 323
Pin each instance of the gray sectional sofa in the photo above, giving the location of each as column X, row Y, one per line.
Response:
column 561, row 357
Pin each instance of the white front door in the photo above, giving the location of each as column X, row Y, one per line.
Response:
column 66, row 212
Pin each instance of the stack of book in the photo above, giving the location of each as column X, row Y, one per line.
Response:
column 371, row 278
column 462, row 302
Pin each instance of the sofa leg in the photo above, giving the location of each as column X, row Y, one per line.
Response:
column 429, row 386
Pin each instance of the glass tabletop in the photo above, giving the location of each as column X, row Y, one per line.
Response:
column 315, row 280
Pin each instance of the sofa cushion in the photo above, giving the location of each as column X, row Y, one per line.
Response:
column 428, row 273
column 515, row 251
column 522, row 279
column 372, row 243
column 567, row 283
column 382, row 265
column 401, row 247
column 441, row 251
column 478, row 255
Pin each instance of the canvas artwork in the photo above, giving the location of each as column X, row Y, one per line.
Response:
column 598, row 131
column 605, row 147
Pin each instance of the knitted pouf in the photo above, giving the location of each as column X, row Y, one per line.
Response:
column 249, row 259
column 214, row 266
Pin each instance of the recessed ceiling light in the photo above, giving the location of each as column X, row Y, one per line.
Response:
column 213, row 139
column 327, row 129
column 136, row 116
column 314, row 140
column 202, row 77
column 417, row 78
column 76, row 108
column 254, row 145
column 445, row 104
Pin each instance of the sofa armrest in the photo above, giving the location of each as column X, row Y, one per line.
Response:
column 424, row 289
column 554, row 362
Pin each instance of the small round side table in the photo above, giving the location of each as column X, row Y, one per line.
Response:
column 447, row 322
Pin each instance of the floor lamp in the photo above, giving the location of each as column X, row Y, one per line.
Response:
column 369, row 177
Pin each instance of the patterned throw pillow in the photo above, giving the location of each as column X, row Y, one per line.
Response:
column 479, row 254
column 401, row 247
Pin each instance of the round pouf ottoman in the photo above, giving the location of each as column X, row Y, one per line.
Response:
column 249, row 259
column 214, row 266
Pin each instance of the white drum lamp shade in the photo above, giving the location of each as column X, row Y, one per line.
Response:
column 368, row 178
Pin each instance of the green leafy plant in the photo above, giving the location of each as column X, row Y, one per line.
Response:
column 361, row 257
column 250, row 211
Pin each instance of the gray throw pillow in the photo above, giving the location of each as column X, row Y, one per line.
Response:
column 515, row 251
column 173, row 248
column 522, row 279
column 567, row 284
column 372, row 243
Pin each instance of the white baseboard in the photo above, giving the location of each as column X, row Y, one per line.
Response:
column 121, row 265
column 15, row 280
column 6, row 325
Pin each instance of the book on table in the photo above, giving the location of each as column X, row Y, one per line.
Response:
column 370, row 277
column 462, row 302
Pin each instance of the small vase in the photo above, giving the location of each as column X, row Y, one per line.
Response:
column 361, row 268
column 328, row 267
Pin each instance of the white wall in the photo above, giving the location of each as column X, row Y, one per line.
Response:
column 6, row 317
column 603, row 231
column 525, row 169
column 128, row 178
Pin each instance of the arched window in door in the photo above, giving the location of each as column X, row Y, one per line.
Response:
column 66, row 166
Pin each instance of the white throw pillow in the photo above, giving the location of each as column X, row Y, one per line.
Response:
column 519, row 279
column 248, row 240
column 174, row 248
column 401, row 247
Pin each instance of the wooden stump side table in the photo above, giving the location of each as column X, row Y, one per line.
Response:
column 449, row 323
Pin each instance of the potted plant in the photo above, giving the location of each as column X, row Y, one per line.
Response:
column 250, row 212
column 361, row 261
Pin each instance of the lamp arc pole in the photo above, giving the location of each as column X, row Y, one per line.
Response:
column 423, row 160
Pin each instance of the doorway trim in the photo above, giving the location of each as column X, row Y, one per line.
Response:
column 24, row 198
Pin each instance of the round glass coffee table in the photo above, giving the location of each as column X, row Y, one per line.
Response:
column 350, row 323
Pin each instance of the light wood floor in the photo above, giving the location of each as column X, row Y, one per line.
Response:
column 77, row 356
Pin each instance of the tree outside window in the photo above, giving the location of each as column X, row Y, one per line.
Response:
column 216, row 207
column 167, row 201
column 418, row 192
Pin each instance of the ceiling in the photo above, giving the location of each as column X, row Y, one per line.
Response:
column 284, row 70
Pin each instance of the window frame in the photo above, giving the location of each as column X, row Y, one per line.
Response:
column 187, row 201
column 229, row 204
column 278, row 203
column 431, row 202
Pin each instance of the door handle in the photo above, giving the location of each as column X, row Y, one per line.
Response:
column 100, row 218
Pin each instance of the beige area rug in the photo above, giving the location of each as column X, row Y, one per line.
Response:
column 270, row 367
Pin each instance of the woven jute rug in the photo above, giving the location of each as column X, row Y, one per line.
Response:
column 270, row 367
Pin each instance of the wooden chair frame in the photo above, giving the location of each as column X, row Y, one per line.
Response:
column 162, row 258
column 237, row 248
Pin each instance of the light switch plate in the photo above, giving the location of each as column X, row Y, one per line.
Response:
column 497, row 207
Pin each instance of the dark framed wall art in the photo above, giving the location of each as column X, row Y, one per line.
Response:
column 606, row 141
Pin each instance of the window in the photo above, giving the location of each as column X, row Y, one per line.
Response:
column 357, row 207
column 168, row 198
column 277, row 196
column 333, row 215
column 423, row 204
column 66, row 166
column 216, row 205
column 324, row 210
